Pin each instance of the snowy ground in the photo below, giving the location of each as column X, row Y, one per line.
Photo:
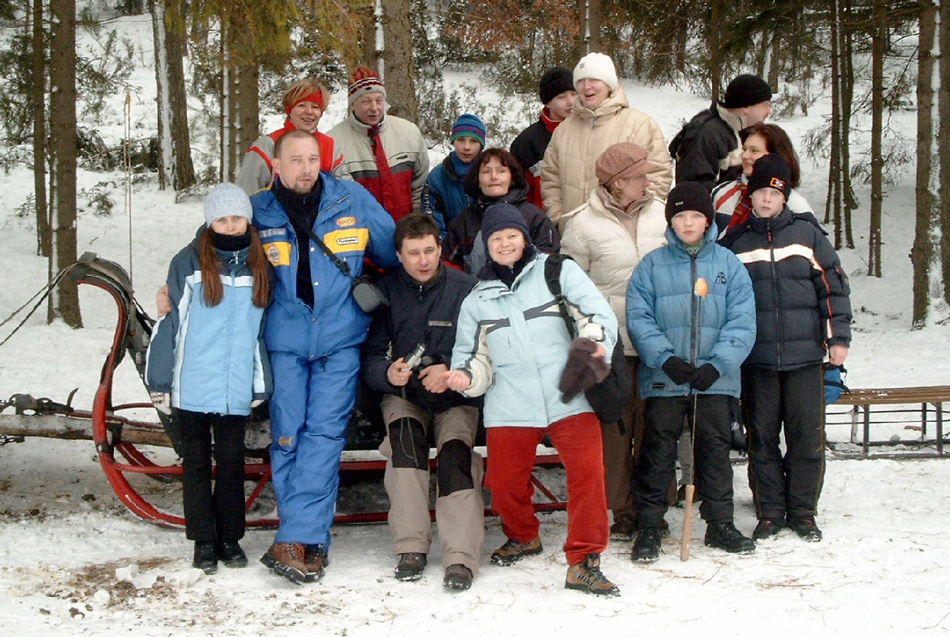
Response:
column 67, row 543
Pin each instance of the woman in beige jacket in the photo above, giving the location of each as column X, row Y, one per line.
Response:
column 608, row 236
column 602, row 117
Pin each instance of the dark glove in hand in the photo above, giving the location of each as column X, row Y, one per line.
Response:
column 704, row 377
column 679, row 371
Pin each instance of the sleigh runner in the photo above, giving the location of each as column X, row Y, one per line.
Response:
column 121, row 441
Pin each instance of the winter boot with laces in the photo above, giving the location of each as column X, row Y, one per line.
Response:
column 646, row 548
column 805, row 527
column 287, row 560
column 725, row 536
column 513, row 551
column 587, row 577
column 315, row 559
column 410, row 566
column 767, row 529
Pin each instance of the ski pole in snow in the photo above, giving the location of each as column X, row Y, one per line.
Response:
column 700, row 290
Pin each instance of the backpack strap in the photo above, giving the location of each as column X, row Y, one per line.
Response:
column 552, row 276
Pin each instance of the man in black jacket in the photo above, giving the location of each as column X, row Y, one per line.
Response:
column 708, row 148
column 409, row 347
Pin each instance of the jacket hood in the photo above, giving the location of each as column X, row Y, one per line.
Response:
column 614, row 102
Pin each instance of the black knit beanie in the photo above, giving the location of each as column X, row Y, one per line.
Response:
column 554, row 82
column 746, row 90
column 501, row 216
column 690, row 195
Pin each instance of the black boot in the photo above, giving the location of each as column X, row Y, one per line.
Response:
column 232, row 555
column 805, row 527
column 206, row 557
column 725, row 536
column 646, row 548
column 767, row 529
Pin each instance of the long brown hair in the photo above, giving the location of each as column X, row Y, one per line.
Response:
column 211, row 269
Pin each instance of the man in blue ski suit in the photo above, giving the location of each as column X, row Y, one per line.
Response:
column 313, row 332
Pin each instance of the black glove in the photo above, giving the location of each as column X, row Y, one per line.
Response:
column 679, row 371
column 704, row 377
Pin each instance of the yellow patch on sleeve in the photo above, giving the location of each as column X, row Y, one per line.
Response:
column 350, row 240
column 278, row 253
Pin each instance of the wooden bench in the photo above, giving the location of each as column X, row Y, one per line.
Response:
column 883, row 406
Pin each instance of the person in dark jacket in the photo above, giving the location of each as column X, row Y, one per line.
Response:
column 708, row 149
column 803, row 313
column 691, row 315
column 556, row 88
column 496, row 177
column 443, row 195
column 419, row 324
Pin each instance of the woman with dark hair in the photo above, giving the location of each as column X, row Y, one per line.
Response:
column 495, row 177
column 731, row 199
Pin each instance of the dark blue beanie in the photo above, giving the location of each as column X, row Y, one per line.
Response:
column 500, row 216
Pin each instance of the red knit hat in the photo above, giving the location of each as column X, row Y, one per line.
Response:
column 364, row 81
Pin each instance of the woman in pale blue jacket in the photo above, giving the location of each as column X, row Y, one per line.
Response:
column 512, row 345
column 691, row 315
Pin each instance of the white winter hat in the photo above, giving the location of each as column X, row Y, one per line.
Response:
column 227, row 200
column 597, row 66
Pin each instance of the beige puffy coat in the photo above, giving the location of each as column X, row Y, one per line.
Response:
column 567, row 173
column 601, row 245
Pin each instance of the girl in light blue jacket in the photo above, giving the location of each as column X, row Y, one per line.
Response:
column 691, row 315
column 207, row 362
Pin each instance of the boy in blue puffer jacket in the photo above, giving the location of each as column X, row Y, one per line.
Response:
column 691, row 315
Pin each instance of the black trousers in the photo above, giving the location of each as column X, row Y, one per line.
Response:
column 213, row 514
column 793, row 403
column 712, row 468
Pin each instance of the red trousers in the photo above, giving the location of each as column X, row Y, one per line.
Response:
column 511, row 454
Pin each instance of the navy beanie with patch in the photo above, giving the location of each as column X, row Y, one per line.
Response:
column 771, row 171
column 500, row 216
column 690, row 195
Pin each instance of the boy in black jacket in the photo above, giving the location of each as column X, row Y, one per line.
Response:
column 803, row 313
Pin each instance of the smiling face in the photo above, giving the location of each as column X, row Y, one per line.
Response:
column 232, row 225
column 768, row 202
column 467, row 148
column 592, row 92
column 494, row 178
column 306, row 115
column 298, row 163
column 755, row 146
column 506, row 246
column 689, row 226
column 370, row 108
column 420, row 257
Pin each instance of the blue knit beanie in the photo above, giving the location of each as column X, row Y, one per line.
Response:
column 468, row 125
column 501, row 216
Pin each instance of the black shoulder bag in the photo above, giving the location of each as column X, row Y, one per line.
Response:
column 365, row 292
column 609, row 396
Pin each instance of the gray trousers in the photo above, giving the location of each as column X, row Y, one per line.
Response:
column 459, row 514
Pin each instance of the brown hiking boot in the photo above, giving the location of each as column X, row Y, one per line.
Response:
column 587, row 577
column 457, row 577
column 287, row 560
column 315, row 559
column 512, row 551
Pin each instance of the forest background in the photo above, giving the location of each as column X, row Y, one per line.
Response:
column 220, row 68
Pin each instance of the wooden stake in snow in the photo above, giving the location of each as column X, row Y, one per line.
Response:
column 700, row 290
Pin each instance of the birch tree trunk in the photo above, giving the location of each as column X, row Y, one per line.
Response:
column 943, row 149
